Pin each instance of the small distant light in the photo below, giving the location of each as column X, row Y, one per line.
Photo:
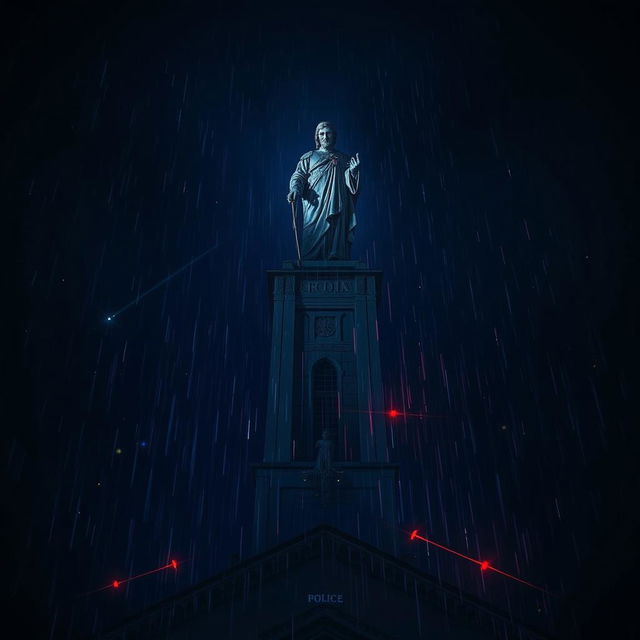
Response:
column 174, row 564
column 118, row 451
column 484, row 566
column 109, row 318
column 116, row 584
column 393, row 413
column 143, row 443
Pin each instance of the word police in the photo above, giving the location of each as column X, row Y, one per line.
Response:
column 325, row 598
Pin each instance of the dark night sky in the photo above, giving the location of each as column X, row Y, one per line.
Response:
column 500, row 200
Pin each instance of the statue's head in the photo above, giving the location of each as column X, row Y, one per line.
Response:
column 326, row 135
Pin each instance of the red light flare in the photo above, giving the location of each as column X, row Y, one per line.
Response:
column 117, row 583
column 483, row 564
column 393, row 413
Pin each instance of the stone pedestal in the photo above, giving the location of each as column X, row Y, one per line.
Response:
column 325, row 377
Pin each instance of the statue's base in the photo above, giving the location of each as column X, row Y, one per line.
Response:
column 324, row 264
column 340, row 280
column 325, row 341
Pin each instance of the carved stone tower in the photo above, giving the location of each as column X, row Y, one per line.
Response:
column 325, row 457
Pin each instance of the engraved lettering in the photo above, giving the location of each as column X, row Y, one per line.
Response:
column 326, row 286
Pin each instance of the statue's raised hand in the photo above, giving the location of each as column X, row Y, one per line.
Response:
column 354, row 164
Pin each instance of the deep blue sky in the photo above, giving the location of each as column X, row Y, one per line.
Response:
column 499, row 198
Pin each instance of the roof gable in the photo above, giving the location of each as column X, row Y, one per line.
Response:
column 295, row 587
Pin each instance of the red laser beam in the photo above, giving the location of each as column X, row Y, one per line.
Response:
column 117, row 583
column 483, row 564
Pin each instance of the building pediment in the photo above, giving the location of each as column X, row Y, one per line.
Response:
column 322, row 584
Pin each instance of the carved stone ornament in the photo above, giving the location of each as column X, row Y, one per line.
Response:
column 325, row 326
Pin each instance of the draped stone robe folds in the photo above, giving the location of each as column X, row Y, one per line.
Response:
column 329, row 192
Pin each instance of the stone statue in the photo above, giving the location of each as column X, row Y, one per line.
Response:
column 324, row 478
column 324, row 461
column 327, row 182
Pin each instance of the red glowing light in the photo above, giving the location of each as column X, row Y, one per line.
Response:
column 393, row 413
column 116, row 584
column 484, row 564
column 174, row 564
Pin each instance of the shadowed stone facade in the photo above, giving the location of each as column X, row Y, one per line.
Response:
column 325, row 375
column 325, row 534
column 323, row 585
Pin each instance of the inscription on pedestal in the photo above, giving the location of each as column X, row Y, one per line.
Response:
column 326, row 286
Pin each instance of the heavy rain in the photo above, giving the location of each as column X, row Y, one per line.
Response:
column 153, row 150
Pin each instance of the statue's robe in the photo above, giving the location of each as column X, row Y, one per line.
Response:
column 329, row 192
column 324, row 461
